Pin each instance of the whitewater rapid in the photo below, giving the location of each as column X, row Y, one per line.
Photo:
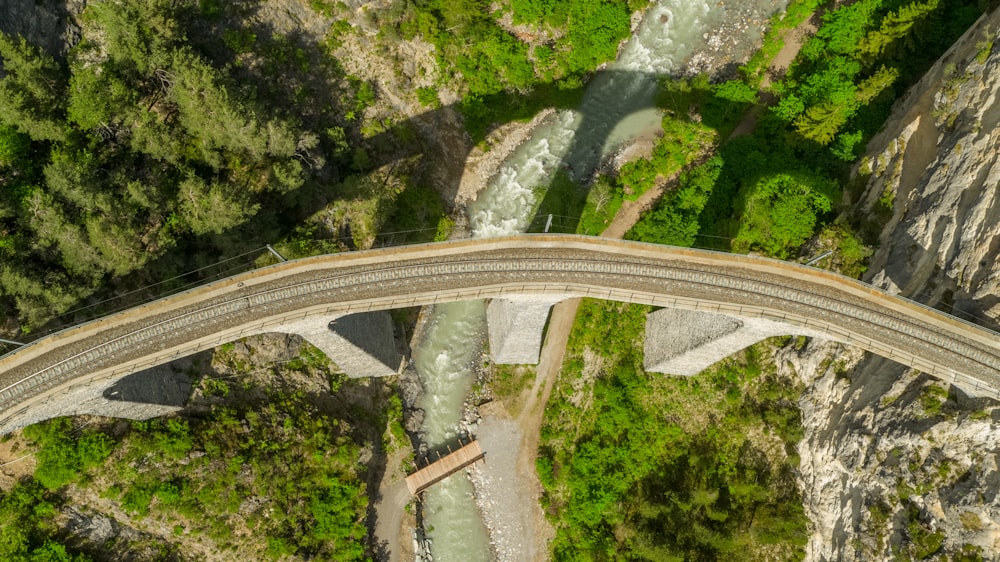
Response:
column 617, row 107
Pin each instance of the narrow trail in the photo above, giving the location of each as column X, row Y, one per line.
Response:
column 391, row 508
column 563, row 314
column 794, row 39
column 553, row 350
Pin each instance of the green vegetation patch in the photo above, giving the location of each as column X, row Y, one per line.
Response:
column 779, row 211
column 264, row 469
column 641, row 466
column 772, row 190
column 284, row 469
column 172, row 134
column 505, row 72
column 64, row 456
column 510, row 383
column 840, row 88
column 932, row 398
column 795, row 13
column 682, row 143
column 27, row 528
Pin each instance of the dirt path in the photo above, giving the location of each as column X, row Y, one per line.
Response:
column 17, row 460
column 563, row 314
column 631, row 211
column 393, row 524
column 794, row 39
column 529, row 421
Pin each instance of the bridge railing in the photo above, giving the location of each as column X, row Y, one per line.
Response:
column 41, row 380
column 262, row 257
column 241, row 263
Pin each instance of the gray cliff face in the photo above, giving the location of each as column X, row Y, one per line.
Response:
column 935, row 165
column 50, row 24
column 892, row 460
column 895, row 464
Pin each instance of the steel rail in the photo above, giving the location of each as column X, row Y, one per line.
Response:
column 299, row 288
column 624, row 268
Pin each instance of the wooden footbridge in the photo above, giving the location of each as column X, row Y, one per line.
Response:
column 444, row 467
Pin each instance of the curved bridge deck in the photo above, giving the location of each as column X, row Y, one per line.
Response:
column 264, row 299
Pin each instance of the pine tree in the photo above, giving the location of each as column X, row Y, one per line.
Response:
column 32, row 90
column 821, row 122
column 872, row 86
column 212, row 208
column 895, row 26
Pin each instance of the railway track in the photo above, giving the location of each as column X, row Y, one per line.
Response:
column 262, row 300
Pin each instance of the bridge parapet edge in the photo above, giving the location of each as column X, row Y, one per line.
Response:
column 921, row 338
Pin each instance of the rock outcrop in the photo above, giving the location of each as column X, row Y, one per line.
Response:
column 933, row 173
column 896, row 465
column 50, row 24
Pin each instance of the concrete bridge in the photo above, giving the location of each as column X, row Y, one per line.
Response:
column 714, row 304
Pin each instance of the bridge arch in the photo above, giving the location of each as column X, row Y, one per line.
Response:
column 541, row 268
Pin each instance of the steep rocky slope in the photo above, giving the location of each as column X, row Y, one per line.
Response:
column 49, row 23
column 896, row 465
column 932, row 172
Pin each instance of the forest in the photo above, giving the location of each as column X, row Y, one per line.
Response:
column 140, row 146
column 179, row 133
column 773, row 190
column 162, row 143
column 665, row 468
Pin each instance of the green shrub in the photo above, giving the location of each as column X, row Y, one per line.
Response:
column 779, row 212
column 932, row 398
column 62, row 456
column 13, row 146
column 428, row 97
column 239, row 40
column 27, row 526
column 168, row 494
column 136, row 501
column 203, row 470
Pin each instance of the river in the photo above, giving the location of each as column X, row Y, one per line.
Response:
column 617, row 107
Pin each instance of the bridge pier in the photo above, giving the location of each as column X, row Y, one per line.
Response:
column 149, row 393
column 361, row 344
column 517, row 325
column 686, row 342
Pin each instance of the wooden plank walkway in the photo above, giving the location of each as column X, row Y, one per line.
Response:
column 444, row 467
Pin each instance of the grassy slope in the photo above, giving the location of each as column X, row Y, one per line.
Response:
column 639, row 465
column 265, row 463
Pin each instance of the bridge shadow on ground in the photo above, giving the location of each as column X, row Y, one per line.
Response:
column 276, row 375
column 160, row 386
column 198, row 259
